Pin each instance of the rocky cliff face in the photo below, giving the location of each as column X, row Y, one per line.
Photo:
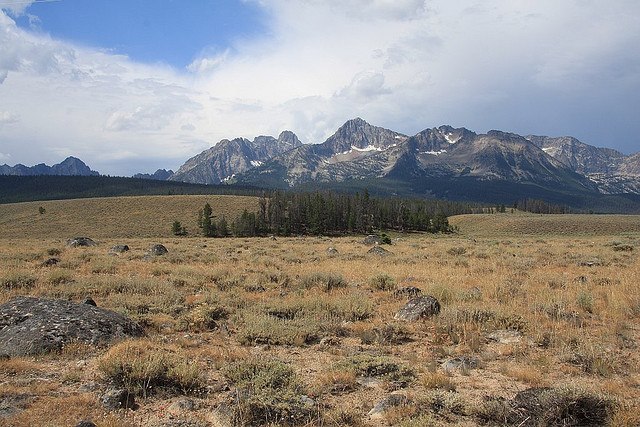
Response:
column 69, row 166
column 231, row 157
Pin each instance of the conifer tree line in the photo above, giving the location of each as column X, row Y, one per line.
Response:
column 540, row 207
column 328, row 213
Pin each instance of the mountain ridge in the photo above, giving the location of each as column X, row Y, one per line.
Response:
column 71, row 166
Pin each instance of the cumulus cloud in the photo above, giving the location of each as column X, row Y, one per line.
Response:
column 543, row 67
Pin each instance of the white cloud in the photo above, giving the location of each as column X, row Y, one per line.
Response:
column 16, row 7
column 530, row 67
column 7, row 118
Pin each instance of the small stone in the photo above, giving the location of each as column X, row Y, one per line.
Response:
column 118, row 399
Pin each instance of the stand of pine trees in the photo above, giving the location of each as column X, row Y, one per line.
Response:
column 327, row 213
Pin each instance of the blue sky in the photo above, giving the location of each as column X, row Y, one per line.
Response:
column 170, row 31
column 133, row 86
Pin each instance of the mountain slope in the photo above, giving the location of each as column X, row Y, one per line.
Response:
column 228, row 158
column 359, row 151
column 71, row 166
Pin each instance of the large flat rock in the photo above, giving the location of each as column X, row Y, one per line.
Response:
column 30, row 325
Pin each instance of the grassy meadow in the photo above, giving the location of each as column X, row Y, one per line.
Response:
column 263, row 331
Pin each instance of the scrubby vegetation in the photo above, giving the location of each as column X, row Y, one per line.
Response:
column 534, row 329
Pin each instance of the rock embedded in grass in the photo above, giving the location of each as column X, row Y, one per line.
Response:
column 118, row 249
column 418, row 308
column 377, row 250
column 30, row 325
column 158, row 250
column 77, row 242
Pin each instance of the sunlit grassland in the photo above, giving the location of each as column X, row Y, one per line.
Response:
column 315, row 321
column 135, row 216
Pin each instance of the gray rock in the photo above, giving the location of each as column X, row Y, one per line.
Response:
column 372, row 239
column 377, row 250
column 86, row 423
column 463, row 363
column 158, row 250
column 118, row 399
column 77, row 242
column 332, row 251
column 388, row 402
column 118, row 249
column 90, row 301
column 418, row 308
column 31, row 325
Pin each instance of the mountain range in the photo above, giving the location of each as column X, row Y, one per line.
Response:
column 69, row 166
column 444, row 162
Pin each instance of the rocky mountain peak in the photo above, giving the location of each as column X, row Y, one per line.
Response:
column 358, row 134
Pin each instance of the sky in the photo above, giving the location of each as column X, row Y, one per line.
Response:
column 132, row 86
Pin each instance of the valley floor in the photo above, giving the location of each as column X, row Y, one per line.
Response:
column 284, row 330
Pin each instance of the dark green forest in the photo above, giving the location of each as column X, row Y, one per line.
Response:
column 331, row 213
column 14, row 189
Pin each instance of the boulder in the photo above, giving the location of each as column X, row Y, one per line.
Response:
column 158, row 250
column 30, row 325
column 77, row 242
column 118, row 249
column 377, row 250
column 372, row 239
column 118, row 399
column 418, row 308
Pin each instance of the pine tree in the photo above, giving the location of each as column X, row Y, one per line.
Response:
column 205, row 222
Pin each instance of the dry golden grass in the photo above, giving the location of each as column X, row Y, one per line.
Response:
column 135, row 216
column 218, row 302
column 519, row 224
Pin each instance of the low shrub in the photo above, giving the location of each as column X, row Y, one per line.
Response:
column 142, row 367
column 268, row 392
column 383, row 282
